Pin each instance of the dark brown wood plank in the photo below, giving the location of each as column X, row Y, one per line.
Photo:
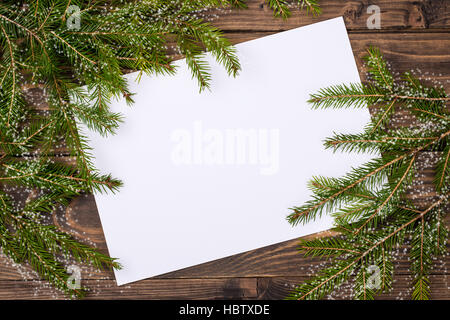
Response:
column 233, row 288
column 422, row 15
column 279, row 287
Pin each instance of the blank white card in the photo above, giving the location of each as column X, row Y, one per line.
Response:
column 208, row 175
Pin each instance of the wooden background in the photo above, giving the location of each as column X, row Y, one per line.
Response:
column 413, row 34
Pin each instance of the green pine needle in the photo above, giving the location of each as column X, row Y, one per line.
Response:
column 368, row 204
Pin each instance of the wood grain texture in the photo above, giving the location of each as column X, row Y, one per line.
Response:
column 396, row 15
column 413, row 34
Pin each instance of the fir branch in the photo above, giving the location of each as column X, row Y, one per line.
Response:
column 383, row 117
column 325, row 247
column 281, row 7
column 443, row 170
column 368, row 204
column 346, row 96
column 12, row 67
column 69, row 46
column 330, row 278
column 390, row 196
column 377, row 68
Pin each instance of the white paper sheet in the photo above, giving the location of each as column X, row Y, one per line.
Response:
column 193, row 194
